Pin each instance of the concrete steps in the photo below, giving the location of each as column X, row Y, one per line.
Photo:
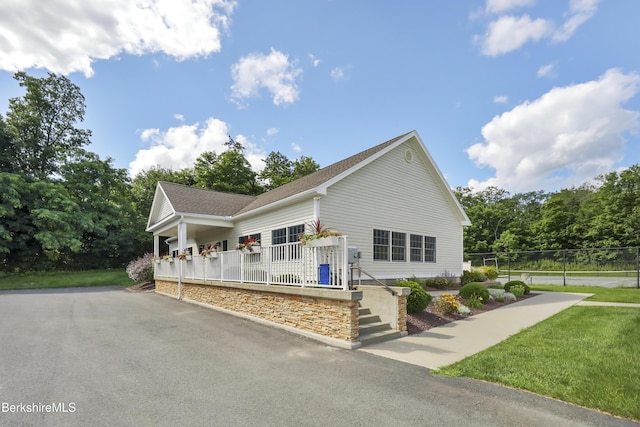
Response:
column 373, row 329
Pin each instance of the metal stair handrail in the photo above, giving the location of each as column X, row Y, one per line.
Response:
column 384, row 285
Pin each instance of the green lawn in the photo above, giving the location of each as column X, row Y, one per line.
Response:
column 62, row 279
column 589, row 356
column 586, row 355
column 631, row 295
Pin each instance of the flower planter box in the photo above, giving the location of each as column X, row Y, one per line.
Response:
column 324, row 241
column 212, row 255
column 252, row 250
column 168, row 259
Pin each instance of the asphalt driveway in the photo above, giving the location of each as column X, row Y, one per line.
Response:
column 110, row 357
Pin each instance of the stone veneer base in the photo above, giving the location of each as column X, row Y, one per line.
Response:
column 326, row 315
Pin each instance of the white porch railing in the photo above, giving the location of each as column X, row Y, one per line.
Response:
column 287, row 264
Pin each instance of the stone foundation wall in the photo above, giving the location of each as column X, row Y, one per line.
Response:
column 167, row 287
column 402, row 313
column 330, row 313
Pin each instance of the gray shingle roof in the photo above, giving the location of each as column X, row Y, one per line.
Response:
column 199, row 201
column 187, row 199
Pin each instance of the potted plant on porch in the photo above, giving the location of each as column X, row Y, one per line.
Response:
column 319, row 235
column 210, row 251
column 250, row 246
column 185, row 255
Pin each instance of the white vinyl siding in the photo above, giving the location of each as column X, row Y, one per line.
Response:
column 395, row 195
column 265, row 223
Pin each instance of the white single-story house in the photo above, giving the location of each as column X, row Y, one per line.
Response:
column 398, row 216
column 391, row 201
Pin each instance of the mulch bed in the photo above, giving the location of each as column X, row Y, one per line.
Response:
column 429, row 318
column 142, row 287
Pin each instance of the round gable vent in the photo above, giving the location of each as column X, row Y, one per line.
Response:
column 408, row 156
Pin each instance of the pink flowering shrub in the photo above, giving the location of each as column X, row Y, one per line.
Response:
column 141, row 269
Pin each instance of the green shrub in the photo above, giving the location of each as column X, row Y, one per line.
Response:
column 474, row 290
column 474, row 302
column 437, row 282
column 508, row 285
column 447, row 304
column 472, row 276
column 517, row 290
column 418, row 300
column 489, row 272
column 499, row 299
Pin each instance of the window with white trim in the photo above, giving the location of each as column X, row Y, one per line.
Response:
column 429, row 249
column 381, row 245
column 398, row 246
column 415, row 248
column 286, row 235
column 392, row 246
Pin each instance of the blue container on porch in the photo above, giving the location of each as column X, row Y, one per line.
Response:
column 324, row 274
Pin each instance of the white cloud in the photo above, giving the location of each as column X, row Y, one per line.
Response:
column 509, row 33
column 273, row 72
column 580, row 12
column 64, row 36
column 497, row 6
column 503, row 99
column 546, row 71
column 178, row 147
column 566, row 137
column 272, row 131
column 179, row 117
column 337, row 73
column 315, row 61
column 296, row 147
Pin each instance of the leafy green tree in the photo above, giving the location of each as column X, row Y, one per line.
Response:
column 40, row 223
column 278, row 170
column 232, row 173
column 203, row 172
column 489, row 213
column 7, row 150
column 111, row 231
column 556, row 226
column 42, row 124
column 611, row 217
column 304, row 166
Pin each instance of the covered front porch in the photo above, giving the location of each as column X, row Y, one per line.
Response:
column 288, row 264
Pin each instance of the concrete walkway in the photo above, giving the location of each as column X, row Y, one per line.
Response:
column 457, row 340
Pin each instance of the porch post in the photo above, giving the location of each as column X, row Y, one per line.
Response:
column 156, row 245
column 182, row 236
column 345, row 263
column 316, row 207
column 182, row 241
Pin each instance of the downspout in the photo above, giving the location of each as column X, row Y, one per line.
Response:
column 180, row 242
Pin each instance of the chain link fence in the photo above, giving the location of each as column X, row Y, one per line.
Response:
column 605, row 267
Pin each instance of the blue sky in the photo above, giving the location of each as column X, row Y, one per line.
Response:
column 522, row 94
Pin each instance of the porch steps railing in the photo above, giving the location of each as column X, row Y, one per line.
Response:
column 372, row 329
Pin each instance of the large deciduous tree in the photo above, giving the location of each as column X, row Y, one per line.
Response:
column 42, row 124
column 279, row 170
